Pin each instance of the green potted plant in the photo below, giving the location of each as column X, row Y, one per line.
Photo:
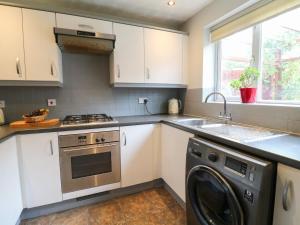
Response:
column 246, row 84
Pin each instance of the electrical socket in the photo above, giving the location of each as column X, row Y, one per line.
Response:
column 2, row 104
column 142, row 100
column 51, row 102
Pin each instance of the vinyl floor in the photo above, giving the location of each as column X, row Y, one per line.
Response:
column 152, row 207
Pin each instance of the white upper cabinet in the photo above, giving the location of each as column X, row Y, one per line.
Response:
column 83, row 23
column 12, row 65
column 42, row 55
column 128, row 57
column 40, row 169
column 185, row 59
column 287, row 199
column 163, row 57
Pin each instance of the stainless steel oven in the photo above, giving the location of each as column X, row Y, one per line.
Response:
column 89, row 160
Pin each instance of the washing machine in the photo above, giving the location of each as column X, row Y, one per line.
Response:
column 227, row 187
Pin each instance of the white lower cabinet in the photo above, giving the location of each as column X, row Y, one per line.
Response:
column 137, row 158
column 40, row 169
column 173, row 155
column 11, row 204
column 286, row 211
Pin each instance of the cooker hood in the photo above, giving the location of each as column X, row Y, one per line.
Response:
column 76, row 41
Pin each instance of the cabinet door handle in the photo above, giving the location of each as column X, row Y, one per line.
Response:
column 86, row 26
column 119, row 72
column 125, row 139
column 18, row 67
column 52, row 70
column 51, row 147
column 148, row 73
column 285, row 192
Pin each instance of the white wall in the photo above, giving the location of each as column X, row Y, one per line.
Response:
column 198, row 37
column 201, row 75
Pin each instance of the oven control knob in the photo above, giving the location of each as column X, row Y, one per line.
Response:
column 97, row 140
column 102, row 139
column 213, row 157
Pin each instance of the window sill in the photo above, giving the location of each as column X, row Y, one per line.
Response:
column 257, row 104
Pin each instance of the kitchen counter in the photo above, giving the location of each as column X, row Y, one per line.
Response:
column 282, row 147
column 6, row 131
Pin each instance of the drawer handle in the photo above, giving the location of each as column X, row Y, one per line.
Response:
column 286, row 189
column 86, row 26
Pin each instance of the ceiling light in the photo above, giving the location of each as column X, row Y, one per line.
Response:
column 171, row 2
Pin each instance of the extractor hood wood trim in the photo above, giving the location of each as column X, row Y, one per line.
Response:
column 28, row 83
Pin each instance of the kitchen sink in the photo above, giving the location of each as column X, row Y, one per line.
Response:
column 239, row 133
column 227, row 130
column 195, row 123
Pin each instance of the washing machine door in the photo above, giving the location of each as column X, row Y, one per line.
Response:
column 212, row 199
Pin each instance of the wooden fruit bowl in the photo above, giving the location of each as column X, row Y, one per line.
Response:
column 34, row 119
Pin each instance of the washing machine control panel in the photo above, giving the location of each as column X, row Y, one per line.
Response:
column 236, row 165
column 231, row 162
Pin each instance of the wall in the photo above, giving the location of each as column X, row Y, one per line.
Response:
column 201, row 76
column 86, row 89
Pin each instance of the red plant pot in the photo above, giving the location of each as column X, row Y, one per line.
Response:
column 248, row 95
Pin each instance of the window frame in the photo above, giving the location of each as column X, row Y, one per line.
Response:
column 257, row 62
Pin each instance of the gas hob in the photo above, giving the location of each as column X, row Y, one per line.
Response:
column 88, row 119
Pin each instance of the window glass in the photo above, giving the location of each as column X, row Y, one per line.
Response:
column 236, row 55
column 281, row 57
column 276, row 43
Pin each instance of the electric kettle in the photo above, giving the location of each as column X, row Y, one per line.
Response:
column 2, row 118
column 174, row 106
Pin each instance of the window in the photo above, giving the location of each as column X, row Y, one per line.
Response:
column 274, row 48
column 235, row 54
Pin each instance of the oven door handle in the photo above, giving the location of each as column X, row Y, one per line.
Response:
column 73, row 149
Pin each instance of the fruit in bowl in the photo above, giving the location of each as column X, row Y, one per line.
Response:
column 36, row 116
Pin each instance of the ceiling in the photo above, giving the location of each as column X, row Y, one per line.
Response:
column 155, row 12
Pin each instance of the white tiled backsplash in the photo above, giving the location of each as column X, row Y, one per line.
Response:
column 283, row 118
column 86, row 89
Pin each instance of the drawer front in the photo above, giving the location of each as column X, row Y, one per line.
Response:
column 83, row 23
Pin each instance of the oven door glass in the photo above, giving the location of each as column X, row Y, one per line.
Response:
column 92, row 164
column 212, row 198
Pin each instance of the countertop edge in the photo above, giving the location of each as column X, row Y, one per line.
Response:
column 239, row 146
column 260, row 152
column 18, row 131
